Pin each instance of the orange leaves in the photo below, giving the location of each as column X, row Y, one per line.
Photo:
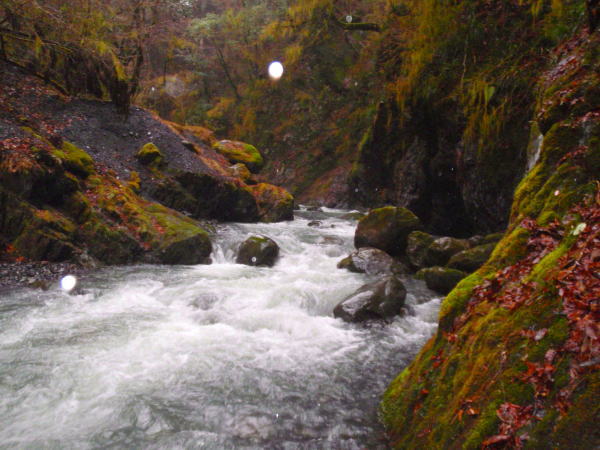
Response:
column 512, row 417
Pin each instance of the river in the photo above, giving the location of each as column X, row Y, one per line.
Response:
column 216, row 356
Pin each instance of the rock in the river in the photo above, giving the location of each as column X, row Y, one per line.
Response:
column 471, row 259
column 315, row 223
column 275, row 204
column 371, row 261
column 386, row 229
column 380, row 300
column 195, row 249
column 240, row 152
column 441, row 279
column 416, row 249
column 442, row 249
column 258, row 251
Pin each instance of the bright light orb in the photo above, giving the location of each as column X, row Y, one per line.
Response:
column 275, row 70
column 68, row 282
column 348, row 19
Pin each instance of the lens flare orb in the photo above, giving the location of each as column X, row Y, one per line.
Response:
column 275, row 70
column 68, row 283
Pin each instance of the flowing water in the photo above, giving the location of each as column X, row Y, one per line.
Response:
column 217, row 356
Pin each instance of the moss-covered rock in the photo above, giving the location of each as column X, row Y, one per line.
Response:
column 441, row 279
column 380, row 300
column 417, row 244
column 195, row 249
column 386, row 229
column 151, row 156
column 471, row 259
column 275, row 204
column 75, row 159
column 258, row 251
column 442, row 249
column 240, row 152
column 240, row 171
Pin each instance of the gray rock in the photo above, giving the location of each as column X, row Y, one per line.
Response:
column 416, row 249
column 258, row 251
column 371, row 261
column 471, row 259
column 440, row 279
column 381, row 300
column 442, row 249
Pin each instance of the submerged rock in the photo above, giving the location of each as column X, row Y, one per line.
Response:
column 471, row 259
column 386, row 229
column 441, row 279
column 258, row 251
column 371, row 261
column 416, row 249
column 381, row 300
column 442, row 249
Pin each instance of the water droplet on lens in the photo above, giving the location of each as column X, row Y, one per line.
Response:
column 275, row 70
column 349, row 19
column 68, row 282
column 254, row 259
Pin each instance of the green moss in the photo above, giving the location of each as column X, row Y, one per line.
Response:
column 240, row 152
column 151, row 156
column 75, row 159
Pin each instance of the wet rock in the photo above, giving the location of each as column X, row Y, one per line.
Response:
column 258, row 251
column 275, row 204
column 371, row 261
column 381, row 300
column 386, row 229
column 315, row 223
column 416, row 249
column 195, row 249
column 314, row 208
column 240, row 152
column 487, row 239
column 441, row 279
column 472, row 259
column 442, row 249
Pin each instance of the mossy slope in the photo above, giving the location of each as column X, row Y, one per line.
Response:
column 504, row 368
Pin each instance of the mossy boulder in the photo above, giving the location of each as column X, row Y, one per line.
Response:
column 472, row 259
column 240, row 171
column 441, row 279
column 416, row 249
column 387, row 229
column 151, row 156
column 381, row 300
column 353, row 215
column 371, row 261
column 493, row 238
column 75, row 160
column 442, row 249
column 275, row 204
column 194, row 249
column 240, row 152
column 258, row 251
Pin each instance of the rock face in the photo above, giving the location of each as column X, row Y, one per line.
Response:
column 386, row 229
column 258, row 251
column 371, row 261
column 416, row 249
column 240, row 152
column 381, row 300
column 441, row 250
column 472, row 259
column 441, row 279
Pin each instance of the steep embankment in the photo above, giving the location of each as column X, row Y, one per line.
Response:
column 515, row 360
column 79, row 182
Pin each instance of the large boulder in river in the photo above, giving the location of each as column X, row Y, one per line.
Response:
column 194, row 249
column 442, row 249
column 416, row 249
column 472, row 259
column 380, row 300
column 240, row 152
column 386, row 229
column 371, row 261
column 441, row 279
column 258, row 251
column 275, row 204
